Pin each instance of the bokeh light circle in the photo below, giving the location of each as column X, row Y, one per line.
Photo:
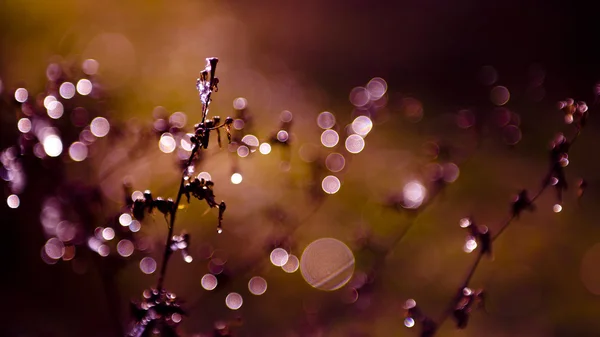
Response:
column 331, row 184
column 326, row 120
column 279, row 257
column 499, row 95
column 148, row 265
column 53, row 145
column 257, row 285
column 355, row 144
column 125, row 248
column 13, row 201
column 292, row 264
column 327, row 264
column 335, row 162
column 209, row 282
column 167, row 143
column 329, row 138
column 100, row 126
column 78, row 151
column 362, row 125
column 234, row 301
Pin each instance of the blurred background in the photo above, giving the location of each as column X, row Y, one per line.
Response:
column 386, row 123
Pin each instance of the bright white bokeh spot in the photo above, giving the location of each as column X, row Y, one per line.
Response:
column 326, row 120
column 188, row 258
column 47, row 100
column 209, row 282
column 67, row 90
column 21, row 95
column 125, row 219
column 204, row 175
column 84, row 87
column 108, row 233
column 240, row 103
column 78, row 151
column 265, row 148
column 327, row 264
column 362, row 125
column 137, row 195
column 148, row 265
column 53, row 145
column 100, row 126
column 291, row 265
column 331, row 184
column 176, row 317
column 329, row 138
column 355, row 144
column 55, row 109
column 24, row 125
column 413, row 194
column 234, row 301
column 257, row 285
column 557, row 208
column 470, row 245
column 125, row 248
column 186, row 142
column 167, row 143
column 236, row 178
column 409, row 322
column 279, row 257
column 13, row 201
column 90, row 66
column 251, row 141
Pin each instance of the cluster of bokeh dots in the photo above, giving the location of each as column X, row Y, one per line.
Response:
column 61, row 98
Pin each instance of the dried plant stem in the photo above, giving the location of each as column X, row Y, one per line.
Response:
column 448, row 311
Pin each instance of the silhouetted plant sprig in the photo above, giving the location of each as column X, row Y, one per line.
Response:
column 160, row 312
column 481, row 237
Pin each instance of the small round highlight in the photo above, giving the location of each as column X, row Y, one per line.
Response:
column 90, row 66
column 279, row 257
column 326, row 120
column 243, row 151
column 135, row 226
column 331, row 184
column 251, row 141
column 355, row 144
column 167, row 143
column 54, row 248
column 292, row 264
column 21, row 95
column 55, row 110
column 204, row 175
column 413, row 194
column 13, row 201
column 335, row 162
column 557, row 208
column 240, row 103
column 257, row 285
column 125, row 219
column 100, row 127
column 125, row 248
column 327, row 264
column 236, row 178
column 148, row 265
column 24, row 125
column 265, row 148
column 78, row 151
column 362, row 125
column 409, row 322
column 286, row 116
column 377, row 87
column 84, row 87
column 499, row 95
column 283, row 136
column 329, row 138
column 53, row 145
column 234, row 301
column 67, row 90
column 209, row 282
column 108, row 233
